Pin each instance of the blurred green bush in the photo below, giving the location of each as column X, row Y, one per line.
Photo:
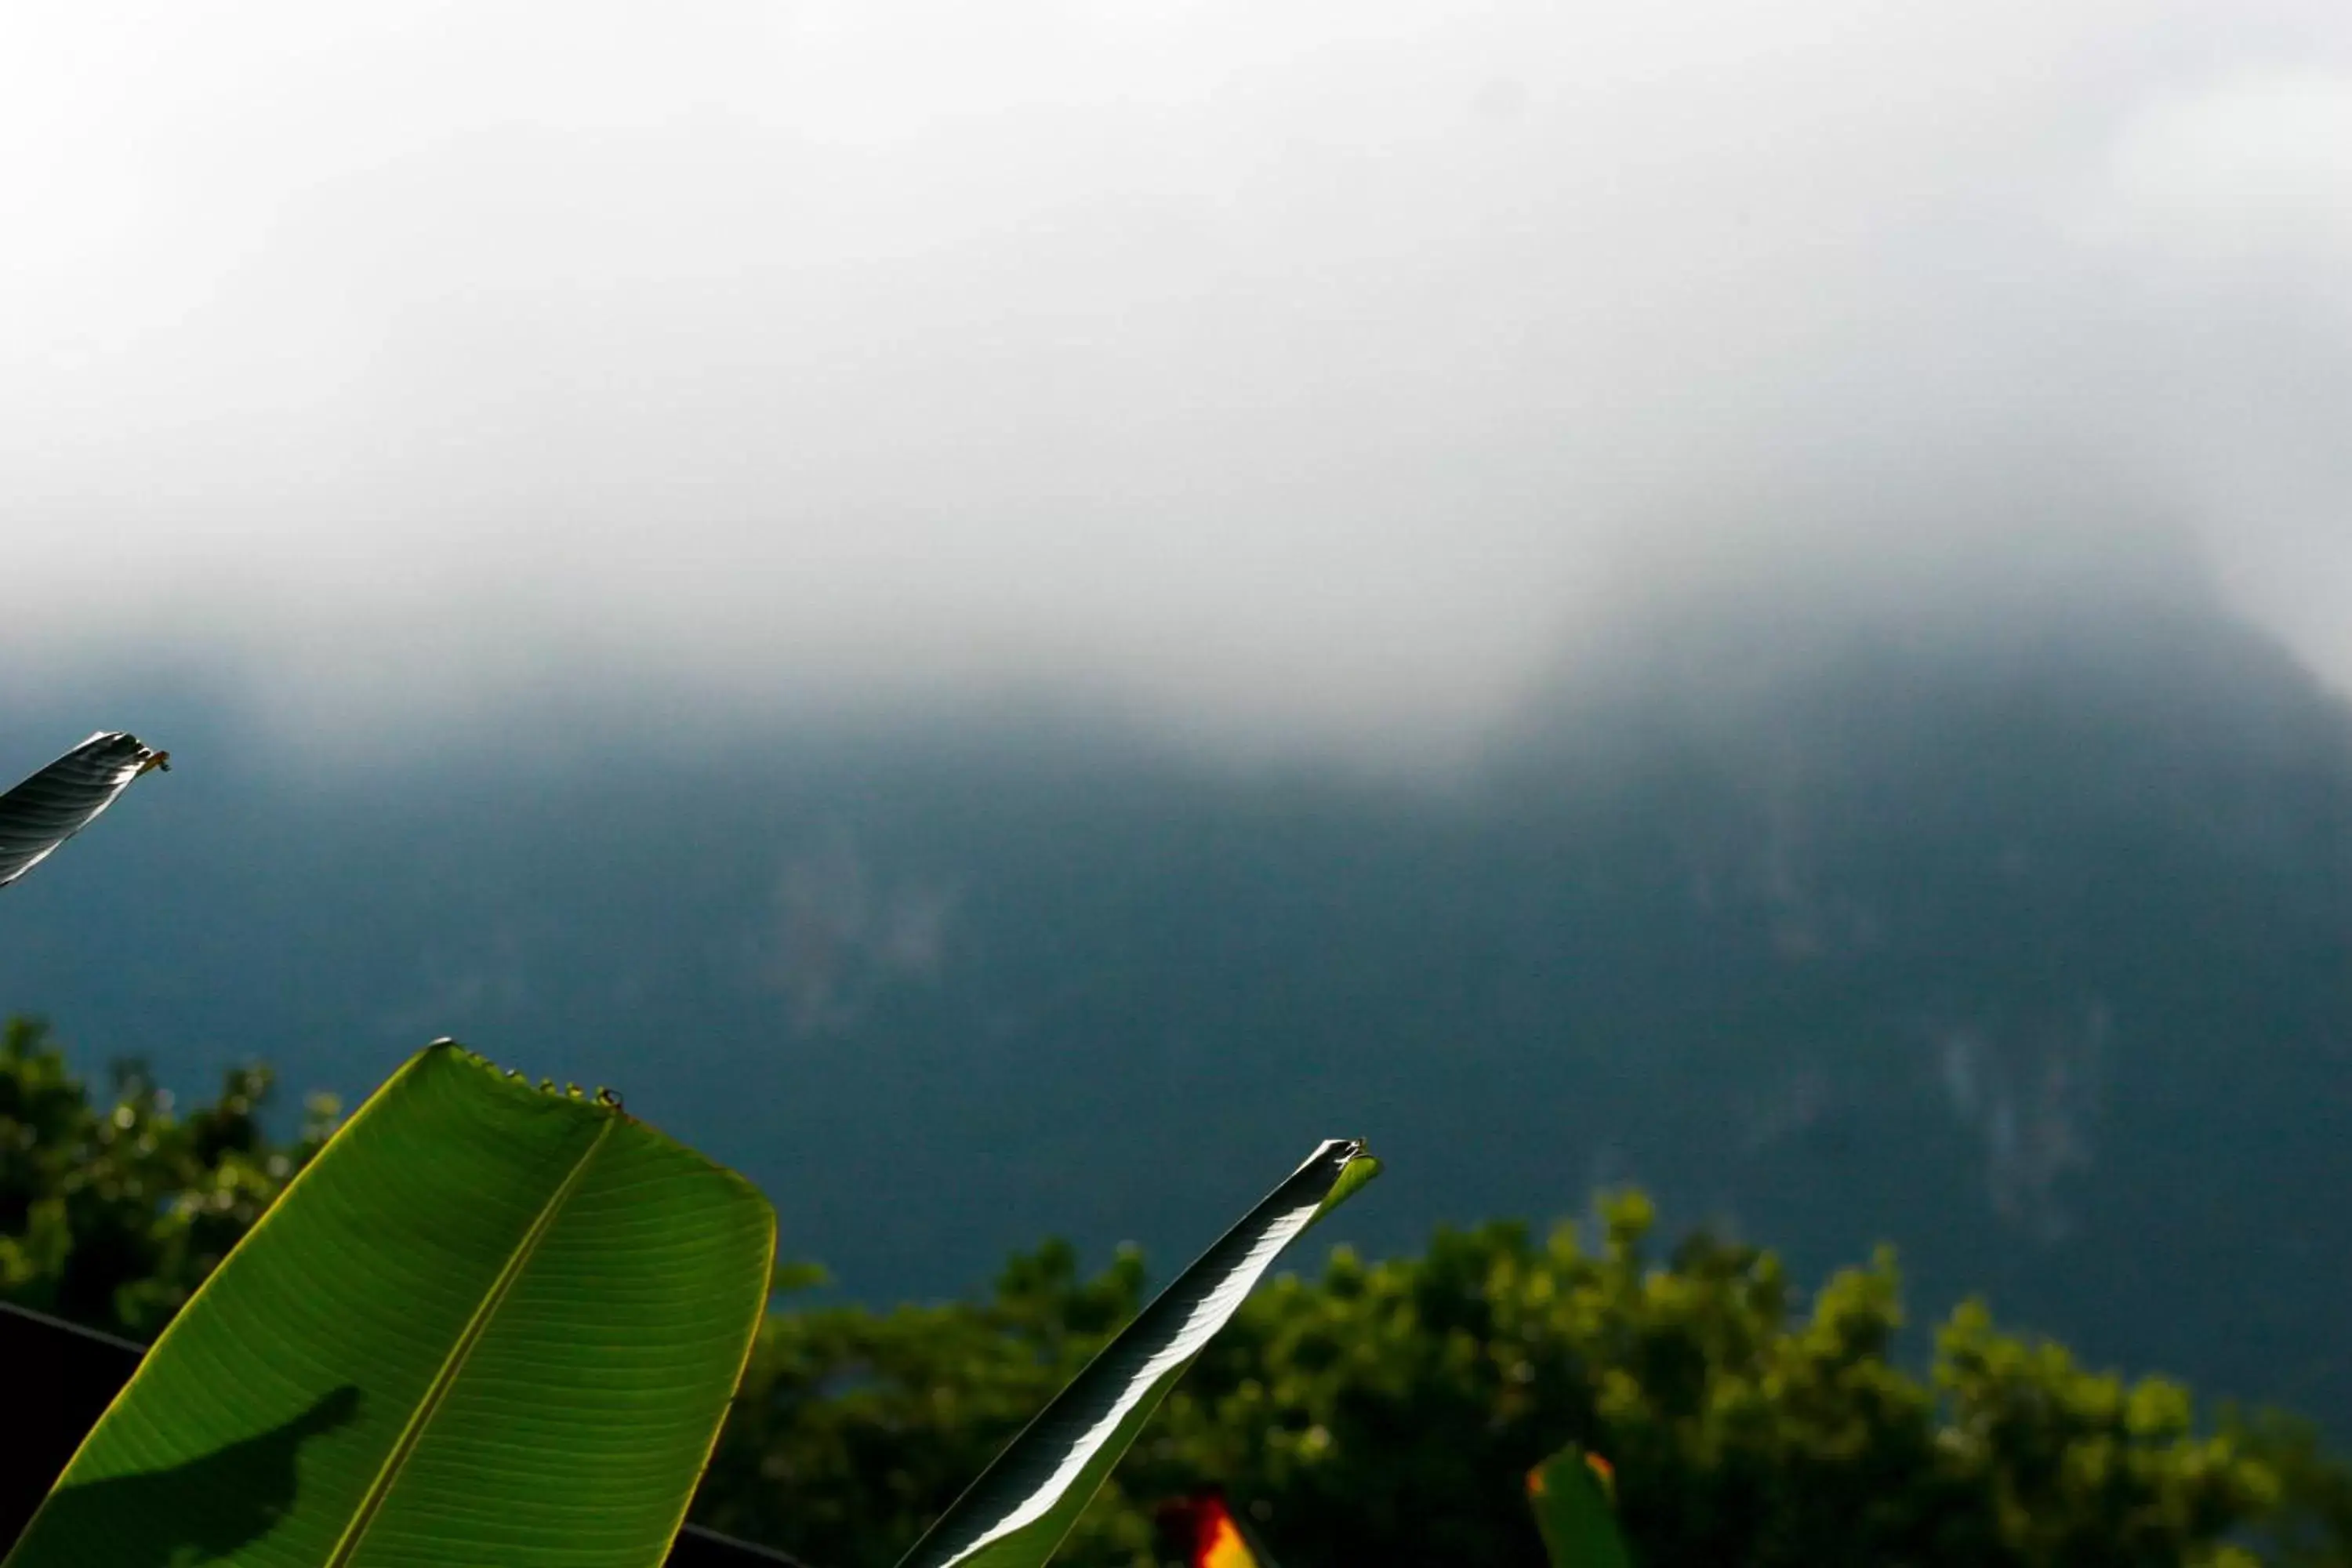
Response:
column 114, row 1207
column 1383, row 1413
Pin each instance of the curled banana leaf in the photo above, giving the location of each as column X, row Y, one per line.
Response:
column 60, row 800
column 1016, row 1513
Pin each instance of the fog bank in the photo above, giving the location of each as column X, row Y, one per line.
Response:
column 1304, row 377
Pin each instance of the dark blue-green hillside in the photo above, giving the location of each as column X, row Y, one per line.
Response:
column 2029, row 949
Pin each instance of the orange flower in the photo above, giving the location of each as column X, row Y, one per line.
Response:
column 1207, row 1528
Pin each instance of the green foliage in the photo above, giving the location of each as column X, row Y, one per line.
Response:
column 488, row 1322
column 1383, row 1413
column 2312, row 1526
column 853, row 1429
column 1389, row 1412
column 2078, row 1467
column 113, row 1211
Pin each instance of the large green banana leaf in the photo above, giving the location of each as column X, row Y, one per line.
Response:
column 60, row 800
column 1017, row 1512
column 491, row 1326
column 1574, row 1512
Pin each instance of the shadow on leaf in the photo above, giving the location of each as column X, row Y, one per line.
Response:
column 201, row 1512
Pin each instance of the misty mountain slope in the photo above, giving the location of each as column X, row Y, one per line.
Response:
column 2029, row 951
column 2060, row 921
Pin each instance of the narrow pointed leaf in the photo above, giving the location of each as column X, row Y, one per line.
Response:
column 1574, row 1511
column 488, row 1324
column 60, row 800
column 1024, row 1503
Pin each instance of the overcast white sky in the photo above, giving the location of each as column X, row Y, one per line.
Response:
column 1302, row 364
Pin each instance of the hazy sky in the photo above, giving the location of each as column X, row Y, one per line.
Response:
column 1296, row 366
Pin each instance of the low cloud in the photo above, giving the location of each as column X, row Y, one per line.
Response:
column 1306, row 373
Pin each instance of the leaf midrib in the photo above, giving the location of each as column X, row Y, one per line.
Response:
column 454, row 1363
